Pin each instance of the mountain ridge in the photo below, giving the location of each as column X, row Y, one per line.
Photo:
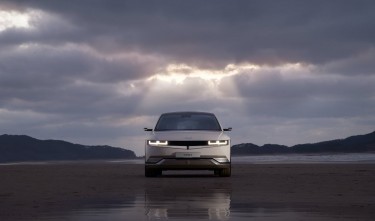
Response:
column 19, row 148
column 352, row 144
column 15, row 148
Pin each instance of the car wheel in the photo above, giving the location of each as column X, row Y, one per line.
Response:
column 225, row 172
column 158, row 172
column 152, row 172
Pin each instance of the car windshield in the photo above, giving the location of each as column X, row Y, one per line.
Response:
column 188, row 121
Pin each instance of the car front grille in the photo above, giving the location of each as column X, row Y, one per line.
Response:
column 188, row 143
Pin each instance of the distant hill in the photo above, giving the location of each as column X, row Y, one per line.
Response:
column 353, row 144
column 16, row 148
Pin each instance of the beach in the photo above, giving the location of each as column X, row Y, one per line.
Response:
column 59, row 191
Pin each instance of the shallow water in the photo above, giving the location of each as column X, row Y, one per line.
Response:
column 255, row 159
column 291, row 158
column 307, row 158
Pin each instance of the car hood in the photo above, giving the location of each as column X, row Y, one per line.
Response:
column 188, row 135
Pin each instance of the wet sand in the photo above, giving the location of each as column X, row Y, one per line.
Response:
column 331, row 191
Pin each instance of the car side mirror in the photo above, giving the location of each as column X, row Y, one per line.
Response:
column 147, row 129
column 228, row 129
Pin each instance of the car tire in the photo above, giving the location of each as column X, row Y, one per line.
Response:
column 225, row 172
column 152, row 172
column 216, row 172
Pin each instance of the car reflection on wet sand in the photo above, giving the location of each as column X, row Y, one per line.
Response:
column 213, row 204
column 196, row 203
column 102, row 191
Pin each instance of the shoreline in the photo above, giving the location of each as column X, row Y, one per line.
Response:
column 313, row 158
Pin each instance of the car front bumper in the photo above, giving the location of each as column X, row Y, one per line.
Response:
column 201, row 163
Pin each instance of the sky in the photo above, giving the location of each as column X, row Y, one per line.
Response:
column 97, row 72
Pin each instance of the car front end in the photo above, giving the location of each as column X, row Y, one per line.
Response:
column 187, row 149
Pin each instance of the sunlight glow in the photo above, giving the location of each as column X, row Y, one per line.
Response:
column 181, row 86
column 14, row 19
column 289, row 68
column 178, row 73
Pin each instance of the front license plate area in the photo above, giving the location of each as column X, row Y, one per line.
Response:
column 187, row 154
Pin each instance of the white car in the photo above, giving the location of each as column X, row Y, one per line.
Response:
column 187, row 141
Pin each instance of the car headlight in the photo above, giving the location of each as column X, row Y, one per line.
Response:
column 157, row 142
column 217, row 142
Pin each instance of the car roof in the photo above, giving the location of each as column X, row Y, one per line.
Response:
column 188, row 112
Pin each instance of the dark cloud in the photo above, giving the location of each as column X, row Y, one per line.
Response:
column 82, row 70
column 35, row 64
column 358, row 64
column 222, row 31
column 305, row 95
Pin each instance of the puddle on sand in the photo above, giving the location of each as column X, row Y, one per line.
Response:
column 175, row 204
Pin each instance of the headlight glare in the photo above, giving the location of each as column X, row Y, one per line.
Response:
column 157, row 142
column 217, row 142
